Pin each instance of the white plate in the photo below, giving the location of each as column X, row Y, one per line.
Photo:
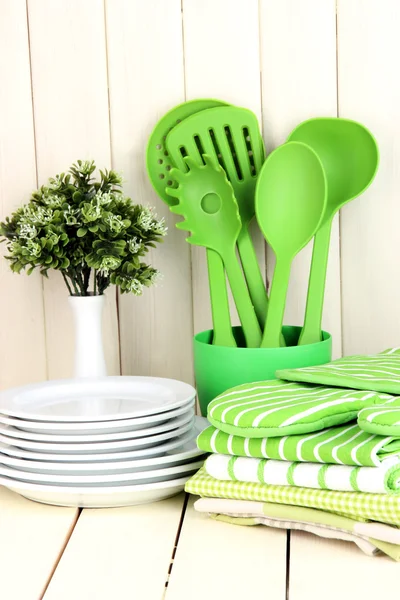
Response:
column 98, row 437
column 100, row 447
column 98, row 399
column 150, row 476
column 59, row 428
column 200, row 423
column 99, row 497
column 182, row 455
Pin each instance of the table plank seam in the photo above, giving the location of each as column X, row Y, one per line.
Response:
column 178, row 534
column 287, row 564
column 61, row 553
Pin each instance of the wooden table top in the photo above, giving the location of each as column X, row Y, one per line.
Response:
column 167, row 551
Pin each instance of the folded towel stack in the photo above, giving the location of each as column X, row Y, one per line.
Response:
column 317, row 449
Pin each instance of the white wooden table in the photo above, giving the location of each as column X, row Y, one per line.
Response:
column 167, row 551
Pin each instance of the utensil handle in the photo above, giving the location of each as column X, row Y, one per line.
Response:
column 250, row 326
column 276, row 306
column 252, row 273
column 223, row 335
column 311, row 332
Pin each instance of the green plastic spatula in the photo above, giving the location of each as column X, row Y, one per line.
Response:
column 210, row 211
column 291, row 197
column 230, row 135
column 159, row 165
column 349, row 155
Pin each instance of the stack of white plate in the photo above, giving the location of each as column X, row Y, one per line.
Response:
column 111, row 441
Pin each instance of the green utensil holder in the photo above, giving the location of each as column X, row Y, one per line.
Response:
column 218, row 368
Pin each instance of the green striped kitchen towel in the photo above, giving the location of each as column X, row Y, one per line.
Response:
column 375, row 480
column 378, row 372
column 276, row 408
column 384, row 508
column 343, row 445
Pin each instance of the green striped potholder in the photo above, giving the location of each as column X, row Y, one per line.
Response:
column 378, row 372
column 278, row 408
column 381, row 420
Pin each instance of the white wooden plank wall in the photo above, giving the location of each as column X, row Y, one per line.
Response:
column 90, row 79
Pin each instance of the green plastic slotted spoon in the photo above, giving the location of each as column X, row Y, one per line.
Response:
column 211, row 215
column 350, row 157
column 159, row 166
column 231, row 135
column 291, row 197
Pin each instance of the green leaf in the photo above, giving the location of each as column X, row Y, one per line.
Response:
column 81, row 231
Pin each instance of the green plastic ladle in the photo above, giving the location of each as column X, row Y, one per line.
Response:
column 291, row 195
column 211, row 214
column 159, row 165
column 350, row 157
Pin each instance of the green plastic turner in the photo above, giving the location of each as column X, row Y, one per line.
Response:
column 230, row 135
column 159, row 165
column 290, row 202
column 210, row 211
column 350, row 157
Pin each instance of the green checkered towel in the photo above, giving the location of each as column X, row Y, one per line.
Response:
column 379, row 372
column 384, row 508
column 343, row 445
column 276, row 408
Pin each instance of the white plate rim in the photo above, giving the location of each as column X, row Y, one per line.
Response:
column 95, row 425
column 183, row 391
column 200, row 423
column 96, row 446
column 91, row 491
column 174, row 423
column 128, row 478
column 94, row 467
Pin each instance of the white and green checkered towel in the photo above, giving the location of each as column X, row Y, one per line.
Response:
column 378, row 480
column 343, row 445
column 379, row 372
column 384, row 508
column 277, row 408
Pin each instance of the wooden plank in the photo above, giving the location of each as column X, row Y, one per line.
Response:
column 32, row 538
column 119, row 553
column 22, row 334
column 369, row 92
column 69, row 81
column 234, row 562
column 334, row 569
column 221, row 61
column 298, row 57
column 145, row 63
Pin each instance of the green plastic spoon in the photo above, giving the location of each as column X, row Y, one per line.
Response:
column 231, row 135
column 159, row 165
column 291, row 197
column 350, row 157
column 210, row 211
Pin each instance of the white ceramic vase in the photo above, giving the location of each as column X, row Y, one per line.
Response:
column 89, row 353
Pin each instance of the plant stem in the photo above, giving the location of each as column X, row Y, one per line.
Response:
column 79, row 279
column 72, row 278
column 94, row 283
column 66, row 283
column 86, row 278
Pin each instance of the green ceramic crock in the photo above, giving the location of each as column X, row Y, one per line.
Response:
column 218, row 368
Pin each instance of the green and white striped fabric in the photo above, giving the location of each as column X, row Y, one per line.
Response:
column 383, row 420
column 384, row 508
column 275, row 408
column 343, row 445
column 374, row 480
column 378, row 372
